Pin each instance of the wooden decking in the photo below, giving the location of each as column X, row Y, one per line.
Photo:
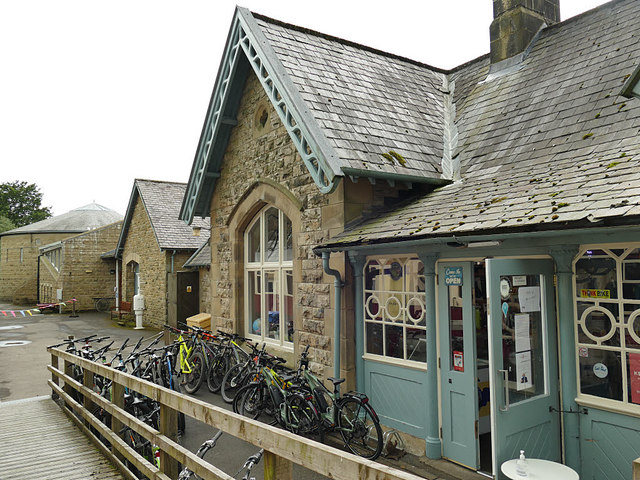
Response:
column 37, row 440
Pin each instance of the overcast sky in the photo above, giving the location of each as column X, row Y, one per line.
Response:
column 96, row 94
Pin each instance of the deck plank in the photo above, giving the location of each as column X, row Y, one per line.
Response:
column 37, row 440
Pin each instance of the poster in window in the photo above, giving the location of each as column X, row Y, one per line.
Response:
column 458, row 361
column 523, row 371
column 634, row 377
column 529, row 299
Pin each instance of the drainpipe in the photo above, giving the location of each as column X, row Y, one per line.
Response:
column 172, row 255
column 337, row 307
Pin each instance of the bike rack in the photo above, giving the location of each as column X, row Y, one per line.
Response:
column 393, row 444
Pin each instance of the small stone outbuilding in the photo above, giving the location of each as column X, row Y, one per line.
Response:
column 153, row 247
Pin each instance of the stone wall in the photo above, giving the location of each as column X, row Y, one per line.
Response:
column 82, row 274
column 141, row 247
column 18, row 275
column 261, row 166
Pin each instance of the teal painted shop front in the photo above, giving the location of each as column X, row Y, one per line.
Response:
column 523, row 332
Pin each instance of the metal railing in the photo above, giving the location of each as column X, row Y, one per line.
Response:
column 281, row 448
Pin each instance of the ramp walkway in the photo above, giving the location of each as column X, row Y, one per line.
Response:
column 37, row 440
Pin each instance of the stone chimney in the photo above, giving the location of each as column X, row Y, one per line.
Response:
column 516, row 22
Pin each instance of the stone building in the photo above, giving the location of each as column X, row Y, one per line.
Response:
column 77, row 267
column 461, row 245
column 20, row 248
column 153, row 246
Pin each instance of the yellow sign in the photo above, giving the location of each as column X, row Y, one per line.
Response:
column 595, row 293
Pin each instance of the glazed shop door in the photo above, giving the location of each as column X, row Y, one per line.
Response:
column 523, row 360
column 457, row 361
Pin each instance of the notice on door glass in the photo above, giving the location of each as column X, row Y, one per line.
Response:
column 634, row 377
column 523, row 341
column 523, row 370
column 529, row 299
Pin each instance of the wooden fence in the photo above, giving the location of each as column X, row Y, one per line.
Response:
column 281, row 448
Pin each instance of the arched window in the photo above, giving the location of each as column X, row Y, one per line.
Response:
column 268, row 270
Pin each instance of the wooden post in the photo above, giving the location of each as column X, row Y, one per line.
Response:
column 54, row 378
column 168, row 427
column 69, row 390
column 276, row 468
column 117, row 398
column 636, row 469
column 87, row 381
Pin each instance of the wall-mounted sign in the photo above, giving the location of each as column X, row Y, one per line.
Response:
column 453, row 276
column 595, row 293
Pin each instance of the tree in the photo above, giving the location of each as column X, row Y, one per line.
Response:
column 6, row 224
column 21, row 203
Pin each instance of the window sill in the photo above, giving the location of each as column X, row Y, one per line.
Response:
column 609, row 405
column 396, row 362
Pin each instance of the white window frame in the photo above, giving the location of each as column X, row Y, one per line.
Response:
column 406, row 297
column 280, row 267
column 624, row 405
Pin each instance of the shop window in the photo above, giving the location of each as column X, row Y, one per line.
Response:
column 269, row 277
column 607, row 300
column 394, row 309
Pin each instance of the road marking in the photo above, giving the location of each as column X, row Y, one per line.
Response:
column 14, row 343
column 11, row 327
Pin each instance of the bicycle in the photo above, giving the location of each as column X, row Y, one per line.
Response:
column 350, row 414
column 229, row 354
column 241, row 373
column 279, row 397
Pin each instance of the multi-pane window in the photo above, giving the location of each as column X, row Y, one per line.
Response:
column 394, row 309
column 269, row 277
column 607, row 301
column 55, row 257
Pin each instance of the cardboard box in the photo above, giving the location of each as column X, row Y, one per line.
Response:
column 202, row 320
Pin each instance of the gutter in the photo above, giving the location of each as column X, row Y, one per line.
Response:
column 337, row 307
column 465, row 240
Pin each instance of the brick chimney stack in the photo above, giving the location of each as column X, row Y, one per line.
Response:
column 515, row 23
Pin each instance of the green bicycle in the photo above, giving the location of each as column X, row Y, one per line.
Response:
column 351, row 414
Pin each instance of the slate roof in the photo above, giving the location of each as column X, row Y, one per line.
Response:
column 366, row 102
column 78, row 220
column 550, row 146
column 162, row 201
column 200, row 258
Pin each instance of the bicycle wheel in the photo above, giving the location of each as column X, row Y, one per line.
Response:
column 103, row 305
column 194, row 379
column 216, row 373
column 302, row 417
column 232, row 381
column 359, row 428
column 252, row 401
